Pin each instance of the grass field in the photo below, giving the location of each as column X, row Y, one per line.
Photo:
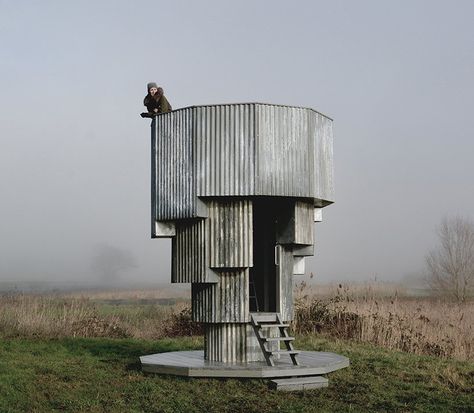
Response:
column 103, row 375
column 78, row 352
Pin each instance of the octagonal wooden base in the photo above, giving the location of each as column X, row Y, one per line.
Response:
column 192, row 364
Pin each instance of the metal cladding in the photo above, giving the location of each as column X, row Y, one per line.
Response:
column 226, row 343
column 189, row 247
column 225, row 155
column 285, row 261
column 293, row 153
column 296, row 224
column 249, row 149
column 233, row 343
column 284, row 152
column 304, row 223
column 230, row 233
column 226, row 301
column 323, row 156
column 236, row 186
column 173, row 172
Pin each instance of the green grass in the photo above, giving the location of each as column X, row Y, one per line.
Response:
column 103, row 375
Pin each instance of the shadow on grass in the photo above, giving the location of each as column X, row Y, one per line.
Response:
column 119, row 349
column 135, row 366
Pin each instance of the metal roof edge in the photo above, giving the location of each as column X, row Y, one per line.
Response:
column 250, row 103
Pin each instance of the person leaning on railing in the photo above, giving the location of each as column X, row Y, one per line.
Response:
column 155, row 101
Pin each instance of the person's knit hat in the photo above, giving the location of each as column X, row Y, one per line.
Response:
column 150, row 85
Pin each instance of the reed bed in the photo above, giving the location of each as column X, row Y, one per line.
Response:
column 420, row 325
column 176, row 291
column 53, row 316
column 371, row 313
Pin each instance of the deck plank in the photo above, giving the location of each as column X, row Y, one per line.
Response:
column 192, row 364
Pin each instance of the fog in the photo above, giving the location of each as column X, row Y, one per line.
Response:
column 397, row 77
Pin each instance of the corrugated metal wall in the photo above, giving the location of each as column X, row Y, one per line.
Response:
column 223, row 302
column 190, row 257
column 285, row 282
column 224, row 240
column 239, row 150
column 224, row 140
column 296, row 223
column 226, row 343
column 304, row 223
column 174, row 173
column 235, row 343
column 284, row 152
column 322, row 136
column 230, row 233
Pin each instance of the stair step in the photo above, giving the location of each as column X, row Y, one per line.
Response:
column 267, row 320
column 264, row 317
column 299, row 383
column 283, row 352
column 278, row 338
column 273, row 325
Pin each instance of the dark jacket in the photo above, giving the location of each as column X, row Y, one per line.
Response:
column 158, row 101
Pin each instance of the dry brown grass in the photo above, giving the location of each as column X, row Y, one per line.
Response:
column 53, row 316
column 376, row 313
column 420, row 325
column 165, row 292
column 363, row 289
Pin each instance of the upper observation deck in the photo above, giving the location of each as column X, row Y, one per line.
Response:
column 239, row 150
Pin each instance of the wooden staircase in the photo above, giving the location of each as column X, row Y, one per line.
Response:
column 262, row 321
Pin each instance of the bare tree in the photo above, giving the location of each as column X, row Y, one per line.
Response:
column 451, row 264
column 109, row 261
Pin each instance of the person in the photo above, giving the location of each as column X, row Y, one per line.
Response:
column 155, row 101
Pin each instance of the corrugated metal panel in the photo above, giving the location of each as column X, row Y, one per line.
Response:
column 190, row 259
column 238, row 150
column 173, row 172
column 324, row 163
column 225, row 343
column 295, row 223
column 225, row 140
column 285, row 282
column 154, row 177
column 230, row 233
column 226, row 301
column 284, row 152
column 304, row 223
column 253, row 350
column 235, row 343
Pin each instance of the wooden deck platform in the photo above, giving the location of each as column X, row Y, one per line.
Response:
column 192, row 364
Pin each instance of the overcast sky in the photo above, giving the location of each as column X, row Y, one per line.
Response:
column 397, row 77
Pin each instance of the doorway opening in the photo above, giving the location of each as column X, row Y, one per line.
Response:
column 263, row 274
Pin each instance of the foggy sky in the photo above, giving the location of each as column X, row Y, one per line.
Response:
column 397, row 77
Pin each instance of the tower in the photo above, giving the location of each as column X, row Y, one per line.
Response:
column 238, row 187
